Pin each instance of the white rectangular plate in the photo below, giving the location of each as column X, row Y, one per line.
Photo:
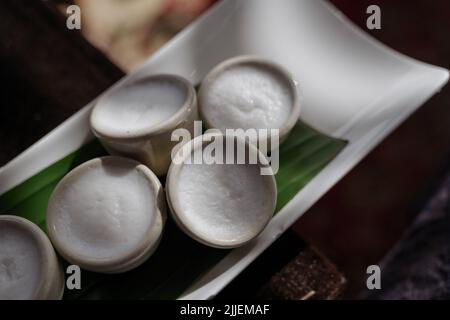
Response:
column 353, row 88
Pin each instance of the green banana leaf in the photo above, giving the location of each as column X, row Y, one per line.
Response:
column 179, row 260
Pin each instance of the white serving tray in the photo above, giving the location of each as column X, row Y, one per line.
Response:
column 354, row 88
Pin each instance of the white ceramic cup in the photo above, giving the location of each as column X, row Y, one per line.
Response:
column 208, row 111
column 112, row 206
column 149, row 144
column 44, row 280
column 216, row 204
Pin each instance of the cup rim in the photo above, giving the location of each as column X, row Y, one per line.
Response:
column 118, row 263
column 260, row 62
column 50, row 285
column 176, row 206
column 168, row 124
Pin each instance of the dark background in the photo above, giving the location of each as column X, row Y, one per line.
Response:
column 367, row 212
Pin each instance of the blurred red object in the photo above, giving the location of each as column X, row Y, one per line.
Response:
column 187, row 7
column 128, row 32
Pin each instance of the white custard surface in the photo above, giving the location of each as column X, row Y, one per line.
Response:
column 103, row 211
column 247, row 96
column 20, row 263
column 139, row 106
column 224, row 203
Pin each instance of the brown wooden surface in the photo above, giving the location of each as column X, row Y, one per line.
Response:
column 309, row 276
column 47, row 73
column 290, row 269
